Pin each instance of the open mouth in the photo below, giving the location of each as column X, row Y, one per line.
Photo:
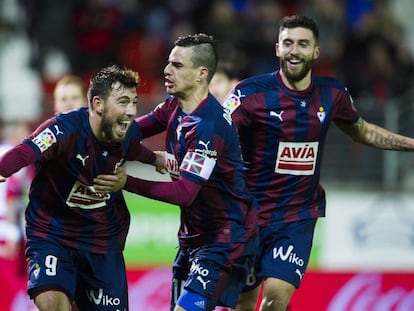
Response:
column 168, row 83
column 123, row 125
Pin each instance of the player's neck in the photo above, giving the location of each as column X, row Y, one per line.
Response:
column 190, row 102
column 297, row 85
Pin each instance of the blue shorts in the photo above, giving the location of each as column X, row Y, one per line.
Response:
column 217, row 272
column 284, row 251
column 93, row 281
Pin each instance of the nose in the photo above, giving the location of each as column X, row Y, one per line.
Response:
column 166, row 69
column 294, row 49
column 131, row 109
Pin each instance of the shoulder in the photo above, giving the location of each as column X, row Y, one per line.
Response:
column 258, row 83
column 330, row 82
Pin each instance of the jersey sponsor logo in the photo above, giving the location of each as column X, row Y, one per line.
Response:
column 83, row 196
column 172, row 165
column 233, row 101
column 205, row 151
column 296, row 158
column 288, row 255
column 198, row 164
column 44, row 140
column 102, row 299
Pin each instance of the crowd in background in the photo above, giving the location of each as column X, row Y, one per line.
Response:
column 368, row 44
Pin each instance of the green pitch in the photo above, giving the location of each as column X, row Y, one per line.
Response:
column 152, row 238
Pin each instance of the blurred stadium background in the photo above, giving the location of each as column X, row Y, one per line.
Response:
column 364, row 250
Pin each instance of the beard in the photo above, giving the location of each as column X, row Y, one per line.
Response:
column 294, row 77
column 106, row 128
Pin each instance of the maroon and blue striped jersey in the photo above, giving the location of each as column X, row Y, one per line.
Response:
column 63, row 204
column 282, row 134
column 203, row 147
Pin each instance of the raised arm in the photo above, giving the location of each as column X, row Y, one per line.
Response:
column 375, row 136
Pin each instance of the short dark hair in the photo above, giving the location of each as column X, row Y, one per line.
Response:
column 295, row 21
column 204, row 51
column 102, row 83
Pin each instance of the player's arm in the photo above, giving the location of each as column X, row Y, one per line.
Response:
column 373, row 135
column 181, row 192
column 16, row 158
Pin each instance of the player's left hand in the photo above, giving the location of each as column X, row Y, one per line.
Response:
column 160, row 162
column 111, row 183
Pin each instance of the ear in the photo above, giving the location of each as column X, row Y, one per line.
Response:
column 316, row 53
column 97, row 105
column 202, row 74
column 277, row 49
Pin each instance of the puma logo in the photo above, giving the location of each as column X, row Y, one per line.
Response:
column 300, row 274
column 204, row 144
column 204, row 283
column 278, row 115
column 58, row 131
column 78, row 156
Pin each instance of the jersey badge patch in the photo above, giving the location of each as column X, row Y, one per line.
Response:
column 198, row 164
column 44, row 140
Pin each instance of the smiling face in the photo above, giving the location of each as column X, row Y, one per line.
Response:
column 117, row 113
column 297, row 50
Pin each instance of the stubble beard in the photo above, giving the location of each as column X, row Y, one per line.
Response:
column 294, row 77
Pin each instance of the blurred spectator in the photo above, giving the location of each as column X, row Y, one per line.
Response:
column 332, row 27
column 13, row 198
column 223, row 80
column 259, row 21
column 50, row 28
column 16, row 74
column 96, row 24
column 375, row 63
column 69, row 94
column 404, row 10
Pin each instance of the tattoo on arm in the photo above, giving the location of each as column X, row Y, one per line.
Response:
column 385, row 140
column 378, row 137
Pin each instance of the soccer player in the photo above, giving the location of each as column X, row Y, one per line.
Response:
column 69, row 93
column 282, row 119
column 217, row 234
column 76, row 235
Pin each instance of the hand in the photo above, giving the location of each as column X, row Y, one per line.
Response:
column 160, row 162
column 111, row 183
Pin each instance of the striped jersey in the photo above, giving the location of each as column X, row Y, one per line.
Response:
column 282, row 134
column 63, row 204
column 203, row 147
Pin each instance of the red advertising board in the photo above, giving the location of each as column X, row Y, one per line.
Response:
column 149, row 290
column 353, row 291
